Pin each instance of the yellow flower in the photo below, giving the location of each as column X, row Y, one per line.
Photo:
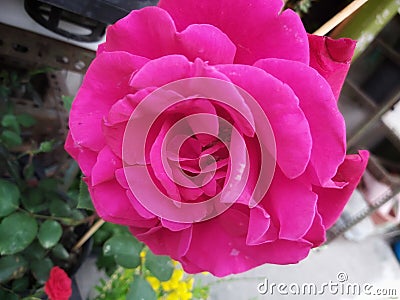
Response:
column 154, row 282
column 190, row 283
column 142, row 254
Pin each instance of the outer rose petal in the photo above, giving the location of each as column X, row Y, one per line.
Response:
column 331, row 58
column 106, row 82
column 319, row 106
column 85, row 157
column 227, row 235
column 104, row 169
column 245, row 23
column 316, row 234
column 113, row 205
column 331, row 201
column 281, row 106
column 291, row 204
column 151, row 33
column 163, row 241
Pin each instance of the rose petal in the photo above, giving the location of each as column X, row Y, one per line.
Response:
column 106, row 82
column 85, row 157
column 112, row 205
column 319, row 105
column 292, row 205
column 256, row 28
column 161, row 71
column 151, row 33
column 104, row 169
column 206, row 42
column 317, row 232
column 331, row 58
column 332, row 201
column 281, row 106
column 231, row 255
column 258, row 226
column 163, row 241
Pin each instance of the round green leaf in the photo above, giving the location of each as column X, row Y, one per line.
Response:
column 49, row 233
column 10, row 138
column 26, row 120
column 41, row 269
column 8, row 295
column 10, row 121
column 20, row 285
column 140, row 289
column 17, row 231
column 12, row 267
column 125, row 249
column 34, row 201
column 60, row 252
column 160, row 266
column 34, row 251
column 59, row 208
column 9, row 197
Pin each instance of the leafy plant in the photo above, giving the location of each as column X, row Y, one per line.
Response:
column 38, row 220
column 156, row 277
column 299, row 6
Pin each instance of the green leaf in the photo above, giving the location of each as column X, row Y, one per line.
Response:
column 10, row 138
column 35, row 251
column 17, row 231
column 20, row 285
column 10, row 121
column 8, row 296
column 26, row 120
column 59, row 208
column 41, row 269
column 48, row 184
column 28, row 171
column 49, row 233
column 45, row 147
column 12, row 267
column 60, row 252
column 140, row 289
column 125, row 249
column 9, row 197
column 84, row 200
column 34, row 201
column 160, row 266
column 67, row 102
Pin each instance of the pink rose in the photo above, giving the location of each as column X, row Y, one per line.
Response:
column 211, row 129
column 58, row 286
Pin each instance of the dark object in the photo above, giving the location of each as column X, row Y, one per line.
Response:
column 396, row 248
column 90, row 17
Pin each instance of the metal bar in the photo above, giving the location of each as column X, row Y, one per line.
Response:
column 335, row 232
column 364, row 128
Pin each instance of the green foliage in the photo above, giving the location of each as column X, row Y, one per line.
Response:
column 160, row 266
column 84, row 200
column 11, row 267
column 143, row 275
column 9, row 197
column 67, row 100
column 49, row 233
column 300, row 6
column 17, row 231
column 140, row 289
column 37, row 218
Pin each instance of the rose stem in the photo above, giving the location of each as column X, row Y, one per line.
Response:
column 339, row 17
column 88, row 234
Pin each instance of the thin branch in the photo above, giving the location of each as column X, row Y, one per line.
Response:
column 340, row 17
